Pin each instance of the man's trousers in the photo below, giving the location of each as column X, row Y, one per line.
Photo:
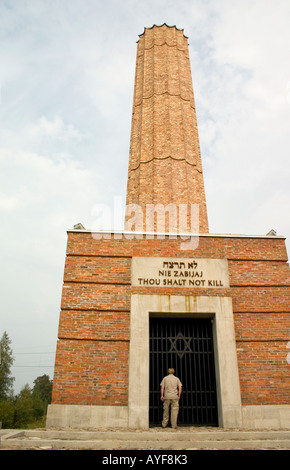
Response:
column 173, row 406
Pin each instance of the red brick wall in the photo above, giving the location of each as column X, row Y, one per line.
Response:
column 94, row 327
column 84, row 369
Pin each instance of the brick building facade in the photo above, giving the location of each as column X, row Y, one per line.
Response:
column 116, row 283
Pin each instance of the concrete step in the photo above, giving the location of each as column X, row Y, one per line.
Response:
column 153, row 439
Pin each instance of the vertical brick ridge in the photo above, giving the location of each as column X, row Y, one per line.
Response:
column 171, row 162
column 182, row 104
column 165, row 163
column 146, row 129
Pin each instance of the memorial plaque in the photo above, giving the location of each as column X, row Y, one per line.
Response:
column 180, row 272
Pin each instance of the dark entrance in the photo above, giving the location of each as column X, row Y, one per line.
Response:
column 186, row 344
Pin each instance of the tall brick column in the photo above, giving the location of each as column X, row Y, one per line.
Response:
column 165, row 162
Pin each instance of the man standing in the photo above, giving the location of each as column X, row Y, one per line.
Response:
column 170, row 394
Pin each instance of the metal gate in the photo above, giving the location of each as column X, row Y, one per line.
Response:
column 186, row 344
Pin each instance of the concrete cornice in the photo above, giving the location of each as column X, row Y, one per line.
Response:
column 175, row 235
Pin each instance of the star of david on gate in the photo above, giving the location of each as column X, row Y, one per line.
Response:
column 186, row 347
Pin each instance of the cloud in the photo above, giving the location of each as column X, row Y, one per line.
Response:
column 8, row 203
column 243, row 115
column 40, row 199
column 54, row 129
column 38, row 184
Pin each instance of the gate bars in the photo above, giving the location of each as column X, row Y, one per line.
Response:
column 186, row 344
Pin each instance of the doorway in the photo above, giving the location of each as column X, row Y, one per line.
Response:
column 186, row 344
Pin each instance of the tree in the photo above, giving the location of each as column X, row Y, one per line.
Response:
column 43, row 386
column 6, row 361
column 41, row 394
column 24, row 413
column 29, row 407
column 7, row 412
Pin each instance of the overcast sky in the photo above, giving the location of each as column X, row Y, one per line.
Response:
column 66, row 80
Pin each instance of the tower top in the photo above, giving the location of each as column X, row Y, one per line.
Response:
column 164, row 162
column 162, row 26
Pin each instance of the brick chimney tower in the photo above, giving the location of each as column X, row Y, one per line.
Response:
column 165, row 163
